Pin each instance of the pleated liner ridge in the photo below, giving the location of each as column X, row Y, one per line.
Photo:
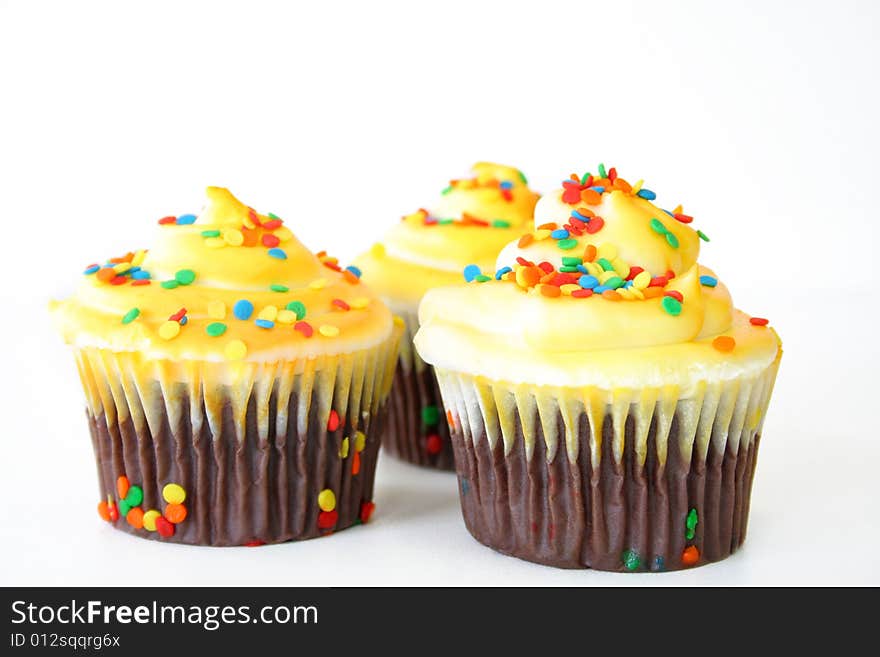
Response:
column 252, row 453
column 409, row 436
column 607, row 480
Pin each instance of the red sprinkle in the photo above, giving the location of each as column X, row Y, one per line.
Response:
column 759, row 321
column 658, row 281
column 339, row 303
column 675, row 294
column 522, row 261
column 546, row 267
column 327, row 519
column 141, row 281
column 270, row 240
column 333, row 421
column 256, row 543
column 434, row 444
column 683, row 218
column 595, row 225
column 165, row 528
column 118, row 280
column 113, row 511
column 167, row 220
column 254, row 217
column 176, row 317
column 272, row 224
column 305, row 328
column 367, row 509
column 669, row 275
column 582, row 294
column 633, row 272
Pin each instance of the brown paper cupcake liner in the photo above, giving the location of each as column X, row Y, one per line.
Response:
column 277, row 453
column 619, row 481
column 417, row 429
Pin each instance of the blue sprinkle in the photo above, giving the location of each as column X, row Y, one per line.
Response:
column 658, row 563
column 183, row 320
column 243, row 309
column 599, row 289
column 709, row 281
column 506, row 184
column 264, row 323
column 588, row 282
column 354, row 270
column 91, row 270
column 559, row 234
column 141, row 275
column 277, row 253
column 501, row 272
column 583, row 269
column 671, row 215
column 464, row 487
column 578, row 215
column 132, row 270
column 186, row 219
column 647, row 194
column 598, row 188
column 471, row 272
column 627, row 284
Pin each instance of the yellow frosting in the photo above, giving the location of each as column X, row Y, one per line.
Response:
column 229, row 252
column 426, row 249
column 510, row 331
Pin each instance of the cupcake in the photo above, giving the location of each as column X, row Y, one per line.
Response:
column 606, row 398
column 236, row 384
column 462, row 232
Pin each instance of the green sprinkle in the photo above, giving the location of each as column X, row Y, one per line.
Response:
column 605, row 264
column 273, row 216
column 277, row 287
column 500, row 223
column 430, row 415
column 568, row 270
column 672, row 240
column 602, row 172
column 447, row 190
column 614, row 282
column 522, row 177
column 131, row 315
column 671, row 305
column 585, row 177
column 210, row 233
column 703, row 236
column 135, row 496
column 215, row 329
column 691, row 524
column 631, row 560
column 482, row 278
column 445, row 222
column 571, row 261
column 658, row 227
column 124, row 508
column 298, row 307
column 185, row 276
column 169, row 285
column 567, row 244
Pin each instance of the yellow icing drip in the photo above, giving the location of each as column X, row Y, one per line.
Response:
column 224, row 274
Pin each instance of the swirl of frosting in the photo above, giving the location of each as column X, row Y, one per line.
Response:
column 603, row 270
column 228, row 284
column 469, row 224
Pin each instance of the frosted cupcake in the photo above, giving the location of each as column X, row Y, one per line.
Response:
column 463, row 231
column 236, row 383
column 606, row 397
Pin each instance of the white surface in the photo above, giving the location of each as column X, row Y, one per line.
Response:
column 761, row 120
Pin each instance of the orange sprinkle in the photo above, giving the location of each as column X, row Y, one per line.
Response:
column 546, row 278
column 528, row 276
column 551, row 290
column 690, row 556
column 356, row 463
column 652, row 292
column 251, row 236
column 525, row 240
column 622, row 185
column 548, row 226
column 450, row 419
column 350, row 277
column 611, row 295
column 724, row 343
column 175, row 513
column 104, row 510
column 106, row 274
column 590, row 253
column 122, row 486
column 586, row 212
column 135, row 517
column 591, row 197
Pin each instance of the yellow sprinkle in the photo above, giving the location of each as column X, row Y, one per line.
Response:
column 268, row 312
column 328, row 330
column 138, row 258
column 122, row 267
column 360, row 441
column 377, row 250
column 235, row 350
column 169, row 330
column 541, row 234
column 327, row 500
column 343, row 449
column 283, row 233
column 359, row 302
column 678, row 209
column 398, row 321
column 620, row 267
column 594, row 268
column 150, row 520
column 605, row 275
column 318, row 283
column 637, row 186
column 233, row 237
column 636, row 292
column 173, row 493
column 216, row 310
column 642, row 280
column 568, row 288
column 608, row 251
column 215, row 242
column 625, row 293
column 248, row 222
column 286, row 316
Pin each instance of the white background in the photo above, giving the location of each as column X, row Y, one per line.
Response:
column 761, row 117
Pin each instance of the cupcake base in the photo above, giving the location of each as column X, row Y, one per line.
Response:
column 251, row 492
column 620, row 517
